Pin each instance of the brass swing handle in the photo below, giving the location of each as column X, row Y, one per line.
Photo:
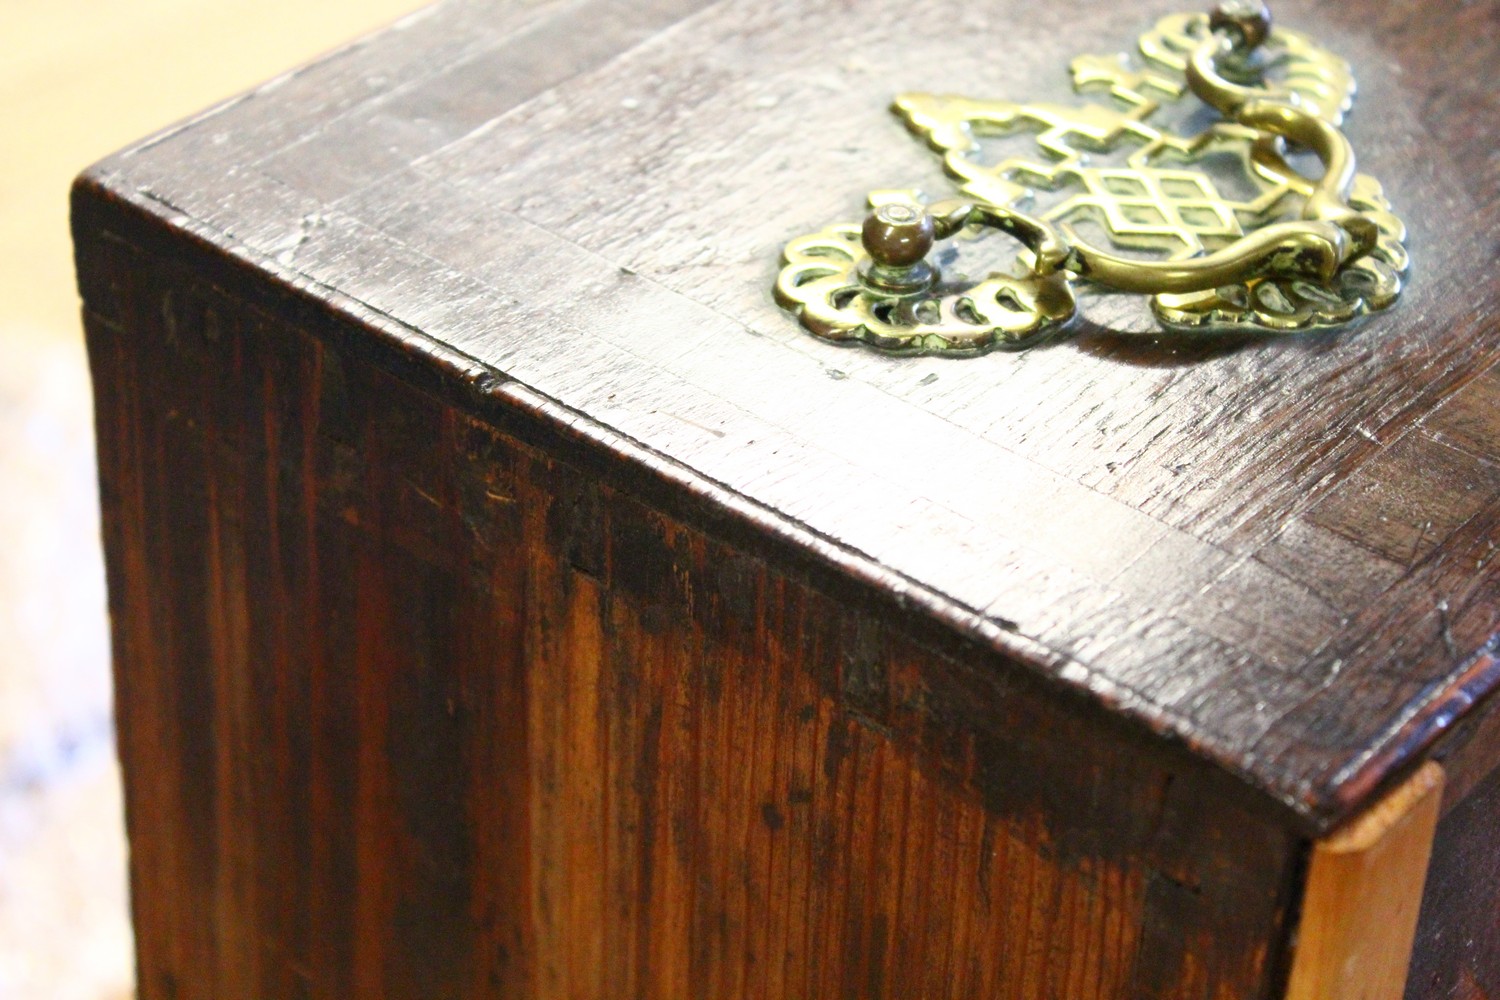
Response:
column 1329, row 235
column 898, row 237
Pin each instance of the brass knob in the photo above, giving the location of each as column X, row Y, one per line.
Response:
column 1247, row 23
column 898, row 236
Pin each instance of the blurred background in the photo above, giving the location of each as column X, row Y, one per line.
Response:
column 79, row 79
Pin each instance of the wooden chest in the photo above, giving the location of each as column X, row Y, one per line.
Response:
column 510, row 600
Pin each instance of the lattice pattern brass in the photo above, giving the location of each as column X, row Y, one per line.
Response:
column 1296, row 254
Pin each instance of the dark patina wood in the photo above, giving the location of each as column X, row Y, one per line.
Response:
column 476, row 521
column 1457, row 953
column 471, row 714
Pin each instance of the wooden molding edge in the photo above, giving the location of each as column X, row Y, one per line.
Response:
column 1362, row 897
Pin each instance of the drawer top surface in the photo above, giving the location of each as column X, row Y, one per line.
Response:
column 1281, row 552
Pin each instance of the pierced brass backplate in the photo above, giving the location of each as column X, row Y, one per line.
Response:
column 1211, row 220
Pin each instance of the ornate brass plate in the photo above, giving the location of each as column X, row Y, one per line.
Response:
column 1211, row 221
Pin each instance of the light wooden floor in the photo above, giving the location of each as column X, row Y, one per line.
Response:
column 79, row 78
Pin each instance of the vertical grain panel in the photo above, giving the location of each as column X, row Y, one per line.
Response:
column 375, row 846
column 563, row 667
column 459, row 717
column 333, row 690
column 139, row 712
column 266, row 385
column 229, row 633
column 582, row 741
column 490, row 661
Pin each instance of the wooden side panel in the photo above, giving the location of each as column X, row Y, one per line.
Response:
column 1364, row 890
column 412, row 705
column 318, row 666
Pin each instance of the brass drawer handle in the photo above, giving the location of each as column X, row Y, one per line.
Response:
column 1300, row 254
column 875, row 282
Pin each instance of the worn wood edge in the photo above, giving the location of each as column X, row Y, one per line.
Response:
column 1464, row 771
column 1363, row 896
column 1469, row 692
column 106, row 205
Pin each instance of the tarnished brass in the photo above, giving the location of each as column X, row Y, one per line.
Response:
column 1299, row 253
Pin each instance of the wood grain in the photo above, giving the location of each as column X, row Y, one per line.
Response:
column 1364, row 890
column 574, row 623
column 1226, row 541
column 419, row 700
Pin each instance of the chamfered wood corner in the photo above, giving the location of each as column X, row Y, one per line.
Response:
column 1362, row 897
